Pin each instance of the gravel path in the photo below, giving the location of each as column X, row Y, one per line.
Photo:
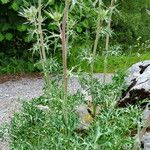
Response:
column 13, row 92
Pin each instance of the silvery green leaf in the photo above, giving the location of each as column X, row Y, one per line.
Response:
column 148, row 11
column 74, row 2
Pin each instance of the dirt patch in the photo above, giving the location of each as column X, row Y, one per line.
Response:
column 15, row 77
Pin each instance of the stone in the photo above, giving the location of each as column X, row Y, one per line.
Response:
column 85, row 118
column 86, row 115
column 138, row 83
column 146, row 141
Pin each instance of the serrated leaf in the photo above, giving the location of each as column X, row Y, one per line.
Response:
column 148, row 11
column 56, row 16
column 74, row 2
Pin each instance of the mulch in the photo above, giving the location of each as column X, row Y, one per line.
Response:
column 19, row 76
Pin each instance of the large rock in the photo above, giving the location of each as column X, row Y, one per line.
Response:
column 138, row 83
column 146, row 141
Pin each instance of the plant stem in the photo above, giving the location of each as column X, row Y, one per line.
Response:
column 98, row 29
column 42, row 50
column 41, row 31
column 38, row 42
column 107, row 40
column 64, row 39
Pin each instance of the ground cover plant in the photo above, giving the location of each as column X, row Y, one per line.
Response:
column 51, row 121
column 39, row 128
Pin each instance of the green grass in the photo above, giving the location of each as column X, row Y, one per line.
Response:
column 35, row 129
column 115, row 62
column 13, row 65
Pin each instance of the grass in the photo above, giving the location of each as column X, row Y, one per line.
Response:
column 13, row 65
column 114, row 62
column 118, row 62
column 37, row 129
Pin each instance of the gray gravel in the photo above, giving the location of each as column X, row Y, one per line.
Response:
column 14, row 92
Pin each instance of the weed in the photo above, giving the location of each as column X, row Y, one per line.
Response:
column 33, row 128
column 50, row 121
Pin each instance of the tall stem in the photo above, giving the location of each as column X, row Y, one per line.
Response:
column 64, row 39
column 42, row 50
column 98, row 29
column 41, row 31
column 38, row 42
column 107, row 40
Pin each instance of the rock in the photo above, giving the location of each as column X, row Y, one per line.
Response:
column 138, row 83
column 146, row 141
column 85, row 117
column 146, row 122
column 146, row 114
column 143, row 136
